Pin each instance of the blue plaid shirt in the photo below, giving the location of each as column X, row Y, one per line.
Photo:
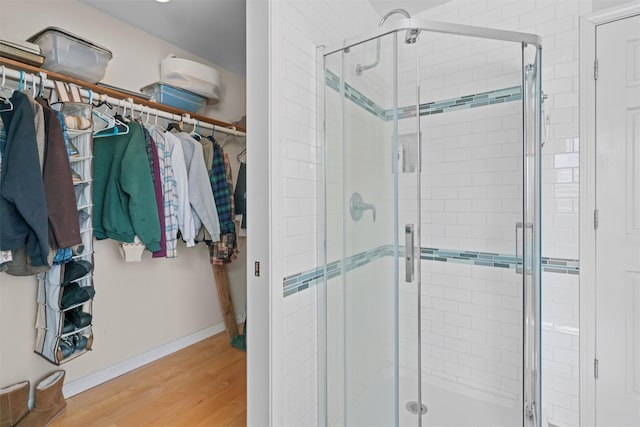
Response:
column 221, row 192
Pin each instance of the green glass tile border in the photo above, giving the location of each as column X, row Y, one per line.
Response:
column 355, row 96
column 489, row 259
column 475, row 100
column 480, row 99
column 301, row 281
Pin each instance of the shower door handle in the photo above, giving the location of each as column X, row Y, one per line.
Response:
column 522, row 263
column 408, row 253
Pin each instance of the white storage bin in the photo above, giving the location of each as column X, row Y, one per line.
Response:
column 191, row 76
column 68, row 54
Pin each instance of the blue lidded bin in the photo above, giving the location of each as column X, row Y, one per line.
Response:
column 174, row 97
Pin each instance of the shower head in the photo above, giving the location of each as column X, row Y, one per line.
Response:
column 410, row 38
column 392, row 12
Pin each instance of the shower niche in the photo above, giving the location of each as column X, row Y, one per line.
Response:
column 408, row 152
column 436, row 303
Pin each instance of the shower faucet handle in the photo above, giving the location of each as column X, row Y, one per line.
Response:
column 357, row 206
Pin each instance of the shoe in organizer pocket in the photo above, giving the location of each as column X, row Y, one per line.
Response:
column 66, row 348
column 78, row 318
column 76, row 269
column 78, row 188
column 84, row 219
column 68, row 327
column 75, row 294
column 80, row 341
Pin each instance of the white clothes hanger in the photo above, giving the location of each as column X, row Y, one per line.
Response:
column 113, row 126
column 8, row 105
column 196, row 128
column 242, row 156
column 155, row 124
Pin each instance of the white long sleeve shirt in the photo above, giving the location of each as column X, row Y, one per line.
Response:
column 200, row 192
column 186, row 222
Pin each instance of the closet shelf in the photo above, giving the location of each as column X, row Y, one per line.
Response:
column 116, row 93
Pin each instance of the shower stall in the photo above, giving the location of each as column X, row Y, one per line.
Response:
column 429, row 313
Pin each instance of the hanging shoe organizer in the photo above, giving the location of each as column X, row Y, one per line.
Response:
column 65, row 292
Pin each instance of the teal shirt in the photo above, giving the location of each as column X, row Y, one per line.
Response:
column 124, row 201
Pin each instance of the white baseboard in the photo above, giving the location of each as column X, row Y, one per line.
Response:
column 102, row 376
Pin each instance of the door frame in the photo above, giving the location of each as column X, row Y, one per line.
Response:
column 588, row 25
column 262, row 297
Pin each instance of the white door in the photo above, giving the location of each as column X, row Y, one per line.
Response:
column 618, row 233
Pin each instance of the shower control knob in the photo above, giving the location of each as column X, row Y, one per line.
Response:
column 357, row 206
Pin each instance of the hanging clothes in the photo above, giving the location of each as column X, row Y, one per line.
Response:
column 240, row 196
column 20, row 264
column 220, row 173
column 38, row 122
column 224, row 251
column 207, row 151
column 123, row 192
column 23, row 214
column 3, row 141
column 49, row 155
column 200, row 195
column 186, row 224
column 154, row 164
column 64, row 225
column 169, row 192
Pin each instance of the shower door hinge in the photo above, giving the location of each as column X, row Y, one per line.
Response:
column 595, row 368
column 596, row 219
column 596, row 69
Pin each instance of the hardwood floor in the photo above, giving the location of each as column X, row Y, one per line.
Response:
column 201, row 385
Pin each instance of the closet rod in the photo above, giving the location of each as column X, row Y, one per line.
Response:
column 11, row 69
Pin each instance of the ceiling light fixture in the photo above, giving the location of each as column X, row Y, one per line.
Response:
column 162, row 1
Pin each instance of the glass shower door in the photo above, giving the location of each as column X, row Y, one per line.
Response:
column 432, row 232
column 367, row 262
column 480, row 231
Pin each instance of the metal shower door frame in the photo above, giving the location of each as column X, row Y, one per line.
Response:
column 531, row 216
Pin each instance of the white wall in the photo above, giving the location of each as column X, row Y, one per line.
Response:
column 605, row 4
column 138, row 307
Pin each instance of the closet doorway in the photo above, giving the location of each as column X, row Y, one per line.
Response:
column 132, row 323
column 618, row 226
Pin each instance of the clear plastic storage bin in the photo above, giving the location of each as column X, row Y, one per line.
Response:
column 174, row 97
column 68, row 54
